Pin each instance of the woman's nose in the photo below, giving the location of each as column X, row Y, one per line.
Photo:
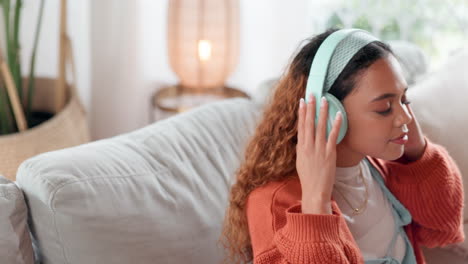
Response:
column 404, row 116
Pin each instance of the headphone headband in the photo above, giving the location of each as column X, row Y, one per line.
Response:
column 332, row 56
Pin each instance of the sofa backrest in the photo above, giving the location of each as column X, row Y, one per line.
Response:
column 155, row 195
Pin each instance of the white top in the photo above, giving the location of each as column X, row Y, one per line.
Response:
column 373, row 229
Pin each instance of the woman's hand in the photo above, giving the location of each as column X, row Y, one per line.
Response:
column 416, row 144
column 316, row 157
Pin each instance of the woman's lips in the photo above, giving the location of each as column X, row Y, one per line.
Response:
column 401, row 140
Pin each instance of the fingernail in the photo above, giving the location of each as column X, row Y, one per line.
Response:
column 323, row 100
column 301, row 103
column 339, row 114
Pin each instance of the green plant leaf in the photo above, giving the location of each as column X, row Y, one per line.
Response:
column 391, row 31
column 16, row 67
column 13, row 49
column 33, row 62
column 6, row 121
column 363, row 23
column 334, row 21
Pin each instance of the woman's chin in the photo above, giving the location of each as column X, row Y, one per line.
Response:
column 398, row 152
column 393, row 152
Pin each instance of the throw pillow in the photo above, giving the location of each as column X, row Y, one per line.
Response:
column 15, row 242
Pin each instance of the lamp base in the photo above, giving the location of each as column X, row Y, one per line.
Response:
column 177, row 99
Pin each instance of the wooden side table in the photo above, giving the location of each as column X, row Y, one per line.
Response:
column 173, row 99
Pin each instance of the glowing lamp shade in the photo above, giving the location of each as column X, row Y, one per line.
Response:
column 203, row 41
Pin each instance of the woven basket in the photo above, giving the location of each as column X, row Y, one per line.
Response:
column 67, row 128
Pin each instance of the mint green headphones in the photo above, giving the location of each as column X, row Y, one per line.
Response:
column 331, row 58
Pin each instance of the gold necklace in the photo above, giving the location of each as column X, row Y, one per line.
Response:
column 357, row 210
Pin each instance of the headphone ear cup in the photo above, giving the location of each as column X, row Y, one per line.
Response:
column 334, row 105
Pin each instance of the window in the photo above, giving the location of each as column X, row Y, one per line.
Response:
column 438, row 27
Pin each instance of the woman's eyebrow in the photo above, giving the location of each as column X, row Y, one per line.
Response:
column 386, row 95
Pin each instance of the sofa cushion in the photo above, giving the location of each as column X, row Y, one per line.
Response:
column 155, row 195
column 15, row 242
column 439, row 103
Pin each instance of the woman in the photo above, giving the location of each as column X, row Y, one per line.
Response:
column 305, row 195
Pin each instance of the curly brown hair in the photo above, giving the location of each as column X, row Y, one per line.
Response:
column 271, row 153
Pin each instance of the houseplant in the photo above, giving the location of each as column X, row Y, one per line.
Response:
column 11, row 12
column 36, row 114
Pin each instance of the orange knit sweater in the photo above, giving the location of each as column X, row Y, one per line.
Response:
column 430, row 188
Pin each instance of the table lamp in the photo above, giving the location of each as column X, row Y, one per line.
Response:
column 203, row 48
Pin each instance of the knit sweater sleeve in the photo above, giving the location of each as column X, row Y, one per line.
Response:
column 310, row 238
column 289, row 236
column 431, row 189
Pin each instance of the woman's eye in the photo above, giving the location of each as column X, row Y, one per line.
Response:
column 389, row 110
column 386, row 112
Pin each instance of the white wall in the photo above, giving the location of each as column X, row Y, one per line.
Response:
column 117, row 102
column 271, row 31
